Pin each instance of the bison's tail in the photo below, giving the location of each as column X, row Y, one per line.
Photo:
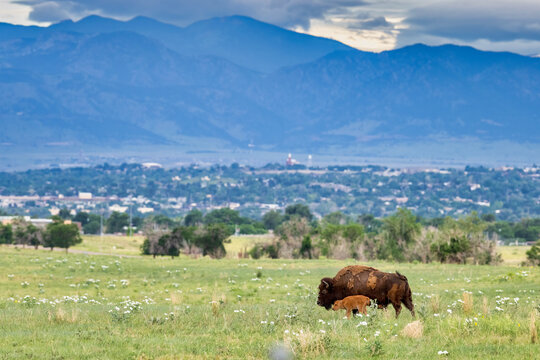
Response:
column 402, row 277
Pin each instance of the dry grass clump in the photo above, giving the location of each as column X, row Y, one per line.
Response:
column 216, row 303
column 532, row 328
column 485, row 306
column 467, row 302
column 61, row 316
column 413, row 330
column 435, row 304
column 176, row 298
column 306, row 344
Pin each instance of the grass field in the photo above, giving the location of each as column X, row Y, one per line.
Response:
column 111, row 244
column 513, row 254
column 245, row 243
column 75, row 306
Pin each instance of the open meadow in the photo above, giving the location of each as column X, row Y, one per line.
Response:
column 58, row 306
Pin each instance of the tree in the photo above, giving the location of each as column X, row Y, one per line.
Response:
column 65, row 214
column 117, row 222
column 291, row 234
column 528, row 229
column 306, row 247
column 298, row 210
column 20, row 233
column 459, row 240
column 272, row 219
column 335, row 218
column 224, row 216
column 186, row 237
column 455, row 251
column 82, row 217
column 502, row 229
column 153, row 233
column 27, row 233
column 35, row 235
column 168, row 245
column 93, row 227
column 193, row 218
column 400, row 231
column 370, row 223
column 533, row 254
column 6, row 234
column 210, row 240
column 62, row 235
column 162, row 221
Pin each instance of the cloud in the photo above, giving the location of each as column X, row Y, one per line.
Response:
column 287, row 13
column 373, row 23
column 493, row 20
column 49, row 11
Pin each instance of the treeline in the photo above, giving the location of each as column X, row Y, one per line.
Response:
column 197, row 233
column 56, row 234
column 402, row 236
column 118, row 222
column 399, row 237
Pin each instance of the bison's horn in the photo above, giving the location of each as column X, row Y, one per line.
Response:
column 327, row 284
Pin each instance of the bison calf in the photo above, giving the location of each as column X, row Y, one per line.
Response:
column 386, row 288
column 350, row 303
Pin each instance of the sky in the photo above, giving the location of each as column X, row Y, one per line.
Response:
column 370, row 25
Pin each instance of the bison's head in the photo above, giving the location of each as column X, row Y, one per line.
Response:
column 326, row 293
column 338, row 305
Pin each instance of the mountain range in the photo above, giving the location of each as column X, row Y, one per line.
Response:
column 235, row 81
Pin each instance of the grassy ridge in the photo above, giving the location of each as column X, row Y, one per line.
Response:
column 76, row 306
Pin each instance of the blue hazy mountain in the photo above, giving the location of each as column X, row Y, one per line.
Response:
column 239, row 39
column 236, row 81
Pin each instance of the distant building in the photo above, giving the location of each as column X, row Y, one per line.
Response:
column 233, row 205
column 85, row 196
column 118, row 208
column 5, row 220
column 144, row 210
column 152, row 165
column 290, row 161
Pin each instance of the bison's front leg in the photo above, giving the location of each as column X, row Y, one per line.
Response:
column 397, row 307
column 362, row 309
column 348, row 313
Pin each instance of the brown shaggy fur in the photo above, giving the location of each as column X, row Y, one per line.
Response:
column 350, row 303
column 386, row 288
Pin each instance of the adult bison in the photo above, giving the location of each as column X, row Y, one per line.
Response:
column 386, row 288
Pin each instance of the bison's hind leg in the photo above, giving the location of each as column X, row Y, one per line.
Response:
column 409, row 305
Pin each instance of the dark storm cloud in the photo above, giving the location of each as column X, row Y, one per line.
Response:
column 287, row 13
column 51, row 11
column 374, row 23
column 494, row 20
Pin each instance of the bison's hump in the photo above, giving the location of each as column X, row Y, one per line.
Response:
column 353, row 270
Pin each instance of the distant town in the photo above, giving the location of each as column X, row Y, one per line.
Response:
column 149, row 189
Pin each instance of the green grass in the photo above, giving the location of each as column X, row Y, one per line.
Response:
column 513, row 254
column 243, row 243
column 58, row 306
column 111, row 244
